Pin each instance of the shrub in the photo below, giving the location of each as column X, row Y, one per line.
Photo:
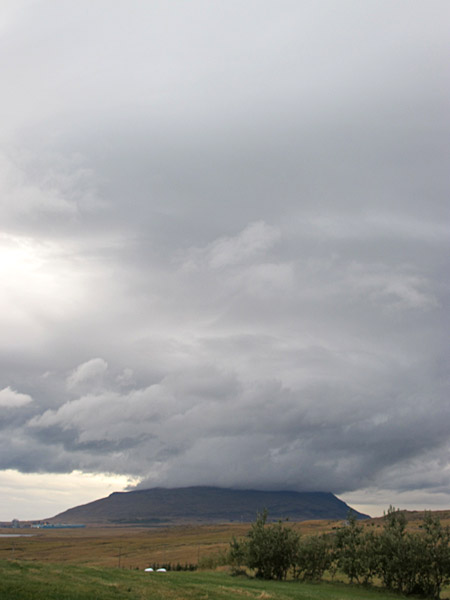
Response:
column 314, row 557
column 269, row 549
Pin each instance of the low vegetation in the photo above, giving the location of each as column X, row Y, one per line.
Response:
column 46, row 581
column 404, row 562
column 400, row 553
column 119, row 546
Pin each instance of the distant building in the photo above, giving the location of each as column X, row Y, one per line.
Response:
column 15, row 523
column 57, row 526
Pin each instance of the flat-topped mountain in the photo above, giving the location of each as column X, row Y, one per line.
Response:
column 204, row 505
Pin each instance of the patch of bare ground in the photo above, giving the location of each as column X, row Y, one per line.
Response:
column 247, row 593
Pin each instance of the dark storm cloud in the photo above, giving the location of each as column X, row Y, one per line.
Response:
column 224, row 243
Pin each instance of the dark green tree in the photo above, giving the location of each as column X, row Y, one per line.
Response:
column 314, row 557
column 350, row 550
column 270, row 549
column 399, row 554
column 434, row 571
column 237, row 554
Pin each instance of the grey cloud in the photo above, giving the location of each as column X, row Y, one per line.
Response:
column 89, row 373
column 211, row 427
column 50, row 192
column 10, row 398
column 225, row 242
column 255, row 239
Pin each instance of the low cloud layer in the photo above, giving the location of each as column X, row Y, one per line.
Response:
column 224, row 245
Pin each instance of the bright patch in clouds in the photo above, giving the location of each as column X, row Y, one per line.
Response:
column 32, row 496
column 37, row 279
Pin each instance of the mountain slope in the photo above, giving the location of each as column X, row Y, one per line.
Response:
column 204, row 504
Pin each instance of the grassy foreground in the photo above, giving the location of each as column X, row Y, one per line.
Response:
column 38, row 581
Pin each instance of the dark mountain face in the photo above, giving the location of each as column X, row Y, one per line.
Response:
column 205, row 505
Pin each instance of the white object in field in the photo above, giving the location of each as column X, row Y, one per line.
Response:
column 161, row 570
column 149, row 570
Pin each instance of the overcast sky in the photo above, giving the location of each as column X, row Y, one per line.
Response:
column 224, row 249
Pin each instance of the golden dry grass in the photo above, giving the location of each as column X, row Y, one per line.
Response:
column 132, row 547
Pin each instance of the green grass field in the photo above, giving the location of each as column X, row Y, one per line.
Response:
column 83, row 564
column 21, row 580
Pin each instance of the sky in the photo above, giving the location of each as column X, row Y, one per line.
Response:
column 224, row 249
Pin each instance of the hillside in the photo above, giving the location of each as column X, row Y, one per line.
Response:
column 415, row 518
column 203, row 505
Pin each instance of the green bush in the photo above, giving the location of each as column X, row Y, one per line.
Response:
column 314, row 557
column 270, row 549
column 407, row 563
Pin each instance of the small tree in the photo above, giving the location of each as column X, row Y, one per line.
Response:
column 369, row 556
column 349, row 549
column 237, row 554
column 399, row 554
column 270, row 549
column 314, row 557
column 434, row 570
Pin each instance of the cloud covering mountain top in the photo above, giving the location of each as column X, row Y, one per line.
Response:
column 224, row 244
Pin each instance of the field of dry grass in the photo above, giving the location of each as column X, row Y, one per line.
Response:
column 414, row 519
column 132, row 547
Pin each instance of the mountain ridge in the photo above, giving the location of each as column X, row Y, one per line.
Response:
column 204, row 504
